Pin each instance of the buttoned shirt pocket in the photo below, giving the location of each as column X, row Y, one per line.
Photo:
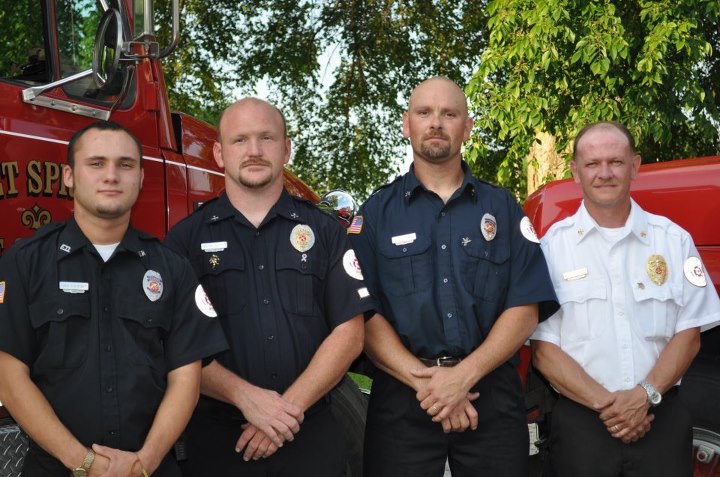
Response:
column 487, row 268
column 299, row 280
column 222, row 275
column 146, row 326
column 656, row 309
column 583, row 306
column 62, row 324
column 407, row 268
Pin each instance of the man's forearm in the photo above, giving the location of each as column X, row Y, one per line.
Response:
column 566, row 375
column 675, row 359
column 507, row 335
column 387, row 352
column 330, row 362
column 173, row 414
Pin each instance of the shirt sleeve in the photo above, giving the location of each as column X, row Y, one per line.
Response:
column 363, row 242
column 196, row 332
column 346, row 294
column 529, row 277
column 16, row 331
column 701, row 306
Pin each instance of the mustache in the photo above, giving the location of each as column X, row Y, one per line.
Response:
column 435, row 135
column 255, row 162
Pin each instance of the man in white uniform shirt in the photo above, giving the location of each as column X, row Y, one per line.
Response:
column 634, row 296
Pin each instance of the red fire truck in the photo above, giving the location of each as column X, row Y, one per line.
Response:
column 688, row 192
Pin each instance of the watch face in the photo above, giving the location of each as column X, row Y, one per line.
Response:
column 656, row 398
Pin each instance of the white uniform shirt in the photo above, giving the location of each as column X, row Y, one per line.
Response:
column 614, row 319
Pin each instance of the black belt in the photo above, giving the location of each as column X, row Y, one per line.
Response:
column 442, row 361
column 208, row 406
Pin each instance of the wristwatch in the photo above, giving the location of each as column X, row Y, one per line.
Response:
column 84, row 468
column 654, row 397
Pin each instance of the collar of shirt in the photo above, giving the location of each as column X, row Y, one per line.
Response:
column 285, row 207
column 412, row 186
column 638, row 221
column 72, row 239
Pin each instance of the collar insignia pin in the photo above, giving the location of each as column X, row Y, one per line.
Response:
column 466, row 241
column 65, row 248
column 214, row 261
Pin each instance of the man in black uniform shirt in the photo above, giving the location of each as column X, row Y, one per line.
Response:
column 102, row 328
column 290, row 297
column 461, row 283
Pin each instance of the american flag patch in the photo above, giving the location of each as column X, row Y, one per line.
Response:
column 356, row 225
column 2, row 292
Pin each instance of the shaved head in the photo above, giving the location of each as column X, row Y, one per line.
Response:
column 440, row 85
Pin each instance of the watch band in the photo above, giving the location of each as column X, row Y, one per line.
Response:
column 653, row 395
column 88, row 460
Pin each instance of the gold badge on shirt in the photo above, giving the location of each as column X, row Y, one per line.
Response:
column 302, row 238
column 657, row 269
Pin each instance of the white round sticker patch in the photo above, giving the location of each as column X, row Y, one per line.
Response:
column 203, row 302
column 528, row 231
column 351, row 265
column 694, row 272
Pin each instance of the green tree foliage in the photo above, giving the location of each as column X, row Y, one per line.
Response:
column 556, row 65
column 344, row 117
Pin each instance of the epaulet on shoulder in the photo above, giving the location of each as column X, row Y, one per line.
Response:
column 192, row 215
column 43, row 232
column 385, row 186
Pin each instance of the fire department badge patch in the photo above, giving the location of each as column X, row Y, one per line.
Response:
column 657, row 269
column 152, row 285
column 302, row 238
column 528, row 231
column 693, row 272
column 351, row 265
column 488, row 227
column 203, row 303
column 2, row 293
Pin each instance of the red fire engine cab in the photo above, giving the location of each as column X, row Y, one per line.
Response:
column 688, row 193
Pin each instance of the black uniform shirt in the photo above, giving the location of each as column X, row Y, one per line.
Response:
column 98, row 345
column 279, row 289
column 443, row 273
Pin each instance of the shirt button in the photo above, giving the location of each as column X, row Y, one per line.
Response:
column 257, row 233
column 404, row 249
column 445, row 280
column 106, row 309
column 442, row 213
column 112, row 433
column 60, row 311
column 449, row 315
column 261, row 267
column 109, row 389
column 266, row 301
column 443, row 246
column 273, row 375
column 108, row 348
column 271, row 337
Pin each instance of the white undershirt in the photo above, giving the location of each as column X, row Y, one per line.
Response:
column 106, row 251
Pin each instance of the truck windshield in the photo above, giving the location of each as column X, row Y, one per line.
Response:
column 22, row 42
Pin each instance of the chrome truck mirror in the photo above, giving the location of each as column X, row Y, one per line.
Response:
column 340, row 204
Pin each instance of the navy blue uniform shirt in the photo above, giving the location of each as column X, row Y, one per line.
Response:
column 100, row 337
column 443, row 273
column 279, row 289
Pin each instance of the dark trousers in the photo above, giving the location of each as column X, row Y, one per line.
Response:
column 402, row 441
column 39, row 463
column 318, row 450
column 580, row 445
